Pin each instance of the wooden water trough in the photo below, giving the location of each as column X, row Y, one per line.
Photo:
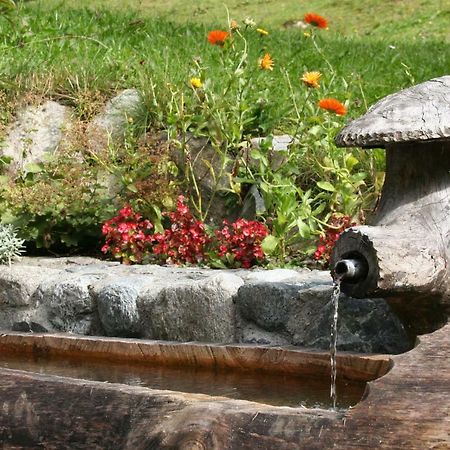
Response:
column 407, row 408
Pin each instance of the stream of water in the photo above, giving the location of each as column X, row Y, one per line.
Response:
column 333, row 339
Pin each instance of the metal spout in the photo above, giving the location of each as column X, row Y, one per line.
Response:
column 350, row 270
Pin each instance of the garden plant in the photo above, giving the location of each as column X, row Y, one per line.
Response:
column 225, row 85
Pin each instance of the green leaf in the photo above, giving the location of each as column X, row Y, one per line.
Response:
column 270, row 244
column 34, row 168
column 303, row 229
column 326, row 186
column 319, row 209
column 69, row 239
column 350, row 162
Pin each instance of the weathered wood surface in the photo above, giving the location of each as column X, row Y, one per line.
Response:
column 286, row 360
column 407, row 248
column 408, row 408
column 418, row 113
column 407, row 251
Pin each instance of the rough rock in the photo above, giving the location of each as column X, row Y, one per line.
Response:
column 302, row 314
column 201, row 310
column 67, row 304
column 273, row 307
column 210, row 170
column 278, row 151
column 37, row 132
column 110, row 126
column 117, row 305
column 18, row 284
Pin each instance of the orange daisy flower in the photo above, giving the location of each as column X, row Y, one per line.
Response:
column 311, row 79
column 217, row 37
column 333, row 105
column 316, row 20
column 266, row 62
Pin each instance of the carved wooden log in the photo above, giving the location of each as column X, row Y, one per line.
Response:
column 405, row 409
column 406, row 253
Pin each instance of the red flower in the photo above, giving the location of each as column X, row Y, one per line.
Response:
column 186, row 239
column 316, row 20
column 337, row 225
column 128, row 237
column 333, row 105
column 241, row 241
column 217, row 37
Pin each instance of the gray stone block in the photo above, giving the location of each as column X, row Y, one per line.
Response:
column 201, row 310
column 301, row 316
column 66, row 302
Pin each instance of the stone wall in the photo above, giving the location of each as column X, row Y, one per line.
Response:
column 273, row 307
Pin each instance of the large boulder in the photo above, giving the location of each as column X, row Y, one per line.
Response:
column 66, row 304
column 110, row 125
column 117, row 305
column 36, row 133
column 301, row 315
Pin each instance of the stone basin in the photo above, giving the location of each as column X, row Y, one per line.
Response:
column 407, row 407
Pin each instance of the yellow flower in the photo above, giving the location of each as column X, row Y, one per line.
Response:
column 262, row 32
column 306, row 34
column 311, row 79
column 196, row 83
column 266, row 62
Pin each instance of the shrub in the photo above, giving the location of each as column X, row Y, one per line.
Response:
column 240, row 242
column 128, row 236
column 185, row 241
column 11, row 246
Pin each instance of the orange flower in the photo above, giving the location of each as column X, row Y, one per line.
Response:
column 217, row 37
column 316, row 20
column 311, row 79
column 266, row 62
column 333, row 105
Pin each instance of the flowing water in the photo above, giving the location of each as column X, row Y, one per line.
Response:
column 333, row 339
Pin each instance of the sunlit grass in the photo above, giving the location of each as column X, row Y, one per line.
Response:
column 400, row 19
column 73, row 55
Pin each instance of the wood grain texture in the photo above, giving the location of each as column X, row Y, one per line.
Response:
column 407, row 250
column 418, row 113
column 286, row 360
column 408, row 408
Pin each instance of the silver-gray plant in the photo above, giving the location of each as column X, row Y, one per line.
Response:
column 11, row 246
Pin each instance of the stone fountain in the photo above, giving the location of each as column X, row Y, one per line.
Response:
column 406, row 405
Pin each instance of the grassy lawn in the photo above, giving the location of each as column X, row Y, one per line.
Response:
column 77, row 53
column 389, row 19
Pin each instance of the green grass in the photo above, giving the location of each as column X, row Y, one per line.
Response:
column 78, row 56
column 399, row 19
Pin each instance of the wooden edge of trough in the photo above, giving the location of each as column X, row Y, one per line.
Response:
column 269, row 359
column 405, row 409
